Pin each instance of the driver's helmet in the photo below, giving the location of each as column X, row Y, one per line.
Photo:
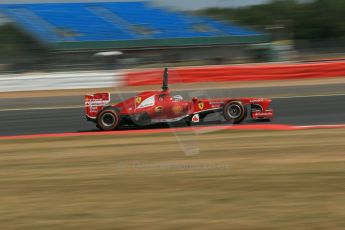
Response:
column 177, row 98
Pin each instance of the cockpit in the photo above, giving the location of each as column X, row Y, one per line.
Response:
column 177, row 98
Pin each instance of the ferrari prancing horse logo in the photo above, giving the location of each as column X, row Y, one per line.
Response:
column 201, row 105
column 138, row 100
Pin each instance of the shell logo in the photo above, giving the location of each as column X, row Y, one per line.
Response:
column 177, row 109
column 201, row 105
column 158, row 109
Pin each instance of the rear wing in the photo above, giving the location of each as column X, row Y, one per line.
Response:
column 94, row 103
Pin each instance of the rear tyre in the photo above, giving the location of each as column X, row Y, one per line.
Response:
column 234, row 112
column 108, row 119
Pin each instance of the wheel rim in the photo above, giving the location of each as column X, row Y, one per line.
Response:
column 234, row 111
column 108, row 119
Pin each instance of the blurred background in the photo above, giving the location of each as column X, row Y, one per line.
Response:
column 89, row 35
column 57, row 171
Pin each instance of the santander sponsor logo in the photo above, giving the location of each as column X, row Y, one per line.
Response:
column 195, row 118
column 264, row 113
column 257, row 100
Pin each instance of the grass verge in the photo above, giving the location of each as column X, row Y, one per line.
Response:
column 239, row 180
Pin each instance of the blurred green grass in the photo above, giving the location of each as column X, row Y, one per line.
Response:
column 239, row 180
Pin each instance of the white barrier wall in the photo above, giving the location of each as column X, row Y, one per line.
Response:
column 60, row 80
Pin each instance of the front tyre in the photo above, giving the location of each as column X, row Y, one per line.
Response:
column 234, row 112
column 108, row 119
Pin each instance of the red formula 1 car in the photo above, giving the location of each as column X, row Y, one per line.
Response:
column 153, row 107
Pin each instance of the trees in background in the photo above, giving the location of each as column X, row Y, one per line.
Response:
column 299, row 20
column 19, row 49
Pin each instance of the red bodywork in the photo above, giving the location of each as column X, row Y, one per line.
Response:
column 160, row 106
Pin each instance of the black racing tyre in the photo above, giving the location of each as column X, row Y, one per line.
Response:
column 108, row 119
column 234, row 112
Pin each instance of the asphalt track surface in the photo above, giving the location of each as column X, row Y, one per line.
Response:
column 65, row 114
column 72, row 101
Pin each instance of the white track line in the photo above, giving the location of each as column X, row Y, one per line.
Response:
column 305, row 96
column 43, row 108
column 272, row 127
column 81, row 106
